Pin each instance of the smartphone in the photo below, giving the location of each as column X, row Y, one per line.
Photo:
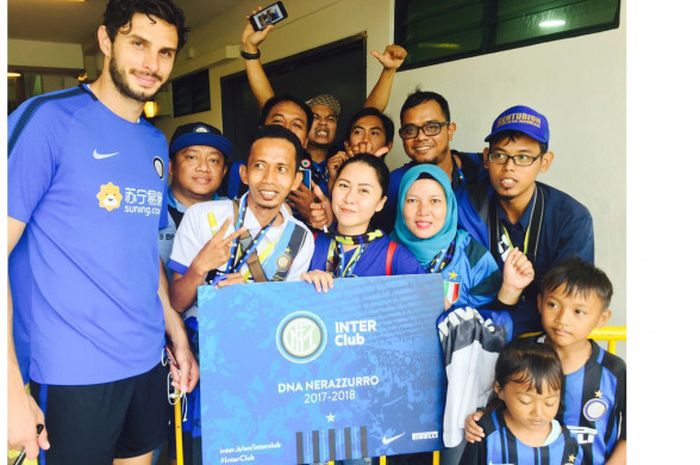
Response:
column 269, row 15
column 306, row 173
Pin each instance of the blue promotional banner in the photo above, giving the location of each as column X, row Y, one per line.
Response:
column 291, row 376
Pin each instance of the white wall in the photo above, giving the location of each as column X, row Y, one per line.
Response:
column 578, row 83
column 21, row 52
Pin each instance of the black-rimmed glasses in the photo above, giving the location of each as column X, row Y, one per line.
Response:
column 432, row 128
column 518, row 160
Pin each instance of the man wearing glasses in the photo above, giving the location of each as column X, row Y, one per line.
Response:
column 511, row 209
column 426, row 132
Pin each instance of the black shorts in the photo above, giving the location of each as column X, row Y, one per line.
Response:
column 96, row 423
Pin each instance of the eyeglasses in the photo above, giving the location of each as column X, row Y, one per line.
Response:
column 432, row 128
column 518, row 160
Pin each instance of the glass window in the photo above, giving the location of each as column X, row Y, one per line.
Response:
column 444, row 30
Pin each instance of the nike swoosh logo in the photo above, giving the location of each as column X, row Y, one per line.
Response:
column 100, row 156
column 386, row 440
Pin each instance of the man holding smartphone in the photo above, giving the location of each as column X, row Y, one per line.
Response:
column 325, row 108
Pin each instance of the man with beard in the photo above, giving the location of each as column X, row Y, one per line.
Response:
column 86, row 182
column 426, row 131
column 511, row 209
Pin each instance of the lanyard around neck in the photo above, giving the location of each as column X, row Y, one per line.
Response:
column 443, row 258
column 342, row 270
column 234, row 265
column 335, row 260
column 500, row 242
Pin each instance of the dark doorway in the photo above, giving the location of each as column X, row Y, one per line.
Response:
column 338, row 68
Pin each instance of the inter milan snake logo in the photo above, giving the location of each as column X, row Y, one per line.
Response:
column 301, row 337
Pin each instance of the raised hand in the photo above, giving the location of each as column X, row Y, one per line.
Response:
column 251, row 39
column 393, row 56
column 216, row 251
column 301, row 199
column 518, row 271
column 321, row 215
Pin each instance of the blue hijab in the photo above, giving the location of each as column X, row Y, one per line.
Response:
column 426, row 249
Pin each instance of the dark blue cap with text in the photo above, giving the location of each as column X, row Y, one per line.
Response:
column 522, row 119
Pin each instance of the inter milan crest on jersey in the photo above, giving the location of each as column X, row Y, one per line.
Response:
column 291, row 375
column 595, row 408
column 284, row 260
column 159, row 166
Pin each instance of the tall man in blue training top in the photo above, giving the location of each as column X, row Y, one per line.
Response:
column 87, row 176
column 512, row 209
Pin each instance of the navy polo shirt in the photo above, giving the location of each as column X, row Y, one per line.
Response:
column 566, row 231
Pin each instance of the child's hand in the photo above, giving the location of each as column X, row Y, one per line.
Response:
column 320, row 279
column 518, row 271
column 472, row 431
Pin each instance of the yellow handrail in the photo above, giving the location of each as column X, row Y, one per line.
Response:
column 611, row 334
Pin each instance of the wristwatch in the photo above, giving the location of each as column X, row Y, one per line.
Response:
column 250, row 56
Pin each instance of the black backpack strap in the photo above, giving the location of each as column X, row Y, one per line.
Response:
column 176, row 215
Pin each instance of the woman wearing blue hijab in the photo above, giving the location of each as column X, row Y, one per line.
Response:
column 426, row 224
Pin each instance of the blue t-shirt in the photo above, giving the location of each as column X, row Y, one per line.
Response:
column 89, row 185
column 594, row 404
column 474, row 270
column 372, row 262
column 19, row 272
column 566, row 230
column 500, row 446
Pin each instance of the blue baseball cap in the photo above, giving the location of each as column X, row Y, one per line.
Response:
column 522, row 119
column 200, row 133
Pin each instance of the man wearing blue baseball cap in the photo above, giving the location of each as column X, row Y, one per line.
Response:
column 198, row 160
column 511, row 209
column 198, row 156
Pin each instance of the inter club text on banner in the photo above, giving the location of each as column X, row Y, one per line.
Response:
column 290, row 375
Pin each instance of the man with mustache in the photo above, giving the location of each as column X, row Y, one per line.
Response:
column 512, row 209
column 426, row 131
column 87, row 176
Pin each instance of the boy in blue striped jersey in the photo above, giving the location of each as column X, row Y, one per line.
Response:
column 574, row 300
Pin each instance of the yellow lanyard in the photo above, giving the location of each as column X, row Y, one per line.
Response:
column 510, row 243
